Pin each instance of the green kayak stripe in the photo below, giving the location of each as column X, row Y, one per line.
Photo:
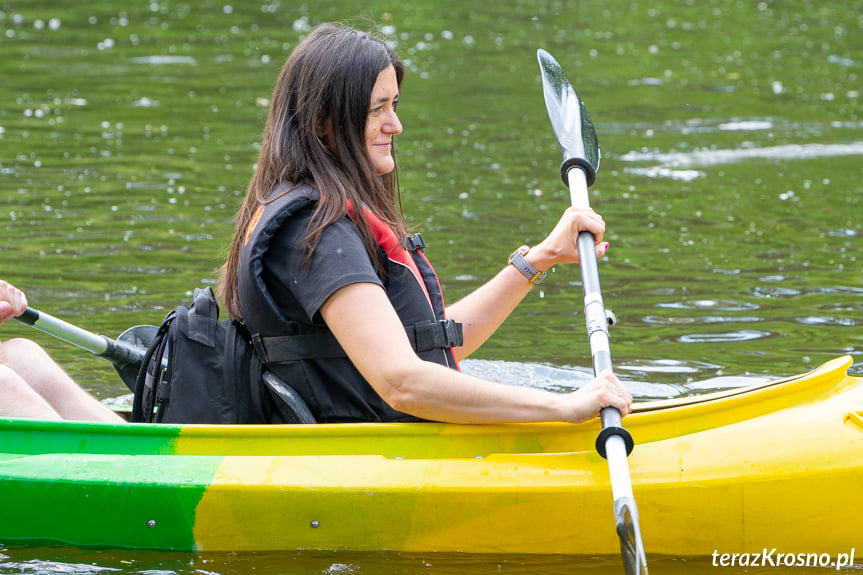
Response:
column 99, row 484
column 29, row 436
column 146, row 501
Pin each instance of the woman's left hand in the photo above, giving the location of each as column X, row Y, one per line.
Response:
column 606, row 390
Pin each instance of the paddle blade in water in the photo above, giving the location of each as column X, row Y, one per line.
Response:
column 569, row 118
column 631, row 547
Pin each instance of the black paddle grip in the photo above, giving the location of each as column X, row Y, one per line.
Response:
column 29, row 317
column 581, row 164
column 608, row 432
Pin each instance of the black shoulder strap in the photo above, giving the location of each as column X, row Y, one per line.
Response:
column 150, row 373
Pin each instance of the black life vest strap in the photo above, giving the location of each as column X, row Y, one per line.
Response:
column 423, row 336
column 283, row 348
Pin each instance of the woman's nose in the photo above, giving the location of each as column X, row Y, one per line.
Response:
column 392, row 124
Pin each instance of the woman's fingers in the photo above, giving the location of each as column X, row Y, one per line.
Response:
column 606, row 390
column 13, row 302
column 614, row 393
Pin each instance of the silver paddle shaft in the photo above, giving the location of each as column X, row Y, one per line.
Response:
column 96, row 344
column 118, row 352
column 597, row 331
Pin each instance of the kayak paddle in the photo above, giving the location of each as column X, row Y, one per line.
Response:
column 578, row 143
column 126, row 352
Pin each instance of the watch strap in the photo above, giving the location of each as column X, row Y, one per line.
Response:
column 518, row 260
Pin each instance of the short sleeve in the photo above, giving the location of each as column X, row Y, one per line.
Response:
column 301, row 287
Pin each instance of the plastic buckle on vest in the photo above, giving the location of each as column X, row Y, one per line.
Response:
column 259, row 347
column 416, row 242
column 452, row 333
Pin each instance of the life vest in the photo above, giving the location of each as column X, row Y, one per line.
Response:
column 310, row 359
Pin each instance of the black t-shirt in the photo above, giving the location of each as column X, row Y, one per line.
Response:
column 301, row 287
column 333, row 389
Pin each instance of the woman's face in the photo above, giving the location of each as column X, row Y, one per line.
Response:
column 383, row 123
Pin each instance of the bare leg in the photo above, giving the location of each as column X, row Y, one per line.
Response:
column 17, row 399
column 48, row 380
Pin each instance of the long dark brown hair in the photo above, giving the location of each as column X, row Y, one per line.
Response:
column 328, row 77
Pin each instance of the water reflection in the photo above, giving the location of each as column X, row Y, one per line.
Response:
column 678, row 165
column 720, row 305
column 726, row 337
column 683, row 320
column 162, row 60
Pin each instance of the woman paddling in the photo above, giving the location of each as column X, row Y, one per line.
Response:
column 321, row 255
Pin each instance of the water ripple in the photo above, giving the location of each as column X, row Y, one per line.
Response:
column 721, row 305
column 50, row 567
column 826, row 320
column 683, row 377
column 774, row 292
column 165, row 59
column 679, row 165
column 676, row 320
column 733, row 336
column 746, row 125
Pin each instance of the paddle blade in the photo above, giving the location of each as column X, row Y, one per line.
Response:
column 127, row 352
column 631, row 547
column 569, row 118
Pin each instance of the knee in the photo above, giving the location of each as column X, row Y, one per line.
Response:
column 19, row 349
column 5, row 373
column 9, row 378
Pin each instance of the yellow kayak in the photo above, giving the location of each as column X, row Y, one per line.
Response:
column 773, row 466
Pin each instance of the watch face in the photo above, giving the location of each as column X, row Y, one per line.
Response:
column 519, row 252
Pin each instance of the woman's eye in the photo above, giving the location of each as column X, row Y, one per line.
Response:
column 380, row 109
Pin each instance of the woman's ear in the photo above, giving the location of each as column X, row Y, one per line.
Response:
column 324, row 131
column 323, row 125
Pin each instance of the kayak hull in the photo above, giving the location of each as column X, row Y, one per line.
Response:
column 776, row 466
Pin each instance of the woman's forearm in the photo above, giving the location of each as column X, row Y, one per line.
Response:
column 381, row 352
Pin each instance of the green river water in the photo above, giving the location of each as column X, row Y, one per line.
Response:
column 731, row 178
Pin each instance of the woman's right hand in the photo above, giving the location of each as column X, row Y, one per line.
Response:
column 606, row 390
column 561, row 245
column 13, row 302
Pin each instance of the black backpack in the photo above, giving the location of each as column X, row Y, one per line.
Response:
column 198, row 369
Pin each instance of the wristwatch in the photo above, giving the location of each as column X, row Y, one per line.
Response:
column 532, row 274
